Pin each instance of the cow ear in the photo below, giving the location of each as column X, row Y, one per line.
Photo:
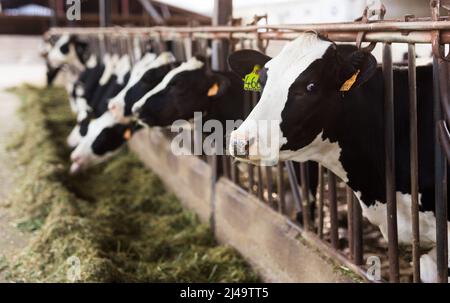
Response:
column 219, row 85
column 359, row 67
column 242, row 62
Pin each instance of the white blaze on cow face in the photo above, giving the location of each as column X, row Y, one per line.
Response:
column 190, row 65
column 282, row 71
column 56, row 57
column 83, row 156
column 149, row 61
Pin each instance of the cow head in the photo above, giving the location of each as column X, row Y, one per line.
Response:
column 145, row 75
column 303, row 89
column 68, row 49
column 103, row 140
column 184, row 90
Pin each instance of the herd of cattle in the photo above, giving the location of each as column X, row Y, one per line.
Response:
column 326, row 99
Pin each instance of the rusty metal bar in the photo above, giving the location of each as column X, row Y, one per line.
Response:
column 332, row 199
column 225, row 166
column 305, row 196
column 281, row 189
column 105, row 13
column 414, row 160
column 256, row 33
column 440, row 167
column 320, row 202
column 390, row 163
column 376, row 26
column 444, row 138
column 357, row 232
column 233, row 171
column 349, row 198
column 294, row 186
column 269, row 179
column 443, row 85
column 251, row 178
column 260, row 185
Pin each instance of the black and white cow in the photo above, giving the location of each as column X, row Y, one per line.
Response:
column 146, row 74
column 103, row 140
column 88, row 80
column 191, row 88
column 114, row 78
column 69, row 50
column 104, row 135
column 316, row 117
column 100, row 138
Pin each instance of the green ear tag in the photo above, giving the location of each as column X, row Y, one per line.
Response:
column 251, row 81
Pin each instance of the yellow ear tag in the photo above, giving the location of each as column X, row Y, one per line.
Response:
column 251, row 81
column 127, row 134
column 213, row 90
column 349, row 83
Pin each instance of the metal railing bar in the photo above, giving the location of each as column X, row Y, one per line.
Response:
column 320, row 201
column 390, row 163
column 305, row 196
column 281, row 188
column 332, row 200
column 414, row 161
column 294, row 187
column 269, row 179
column 440, row 167
column 357, row 232
column 349, row 198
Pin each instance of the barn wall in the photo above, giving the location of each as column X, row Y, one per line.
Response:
column 265, row 238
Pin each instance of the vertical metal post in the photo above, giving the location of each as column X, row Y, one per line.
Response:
column 280, row 189
column 332, row 199
column 260, row 185
column 349, row 198
column 125, row 7
column 105, row 12
column 54, row 18
column 414, row 160
column 390, row 163
column 305, row 195
column 320, row 202
column 440, row 167
column 357, row 233
column 222, row 12
column 295, row 190
column 251, row 178
column 59, row 8
column 269, row 179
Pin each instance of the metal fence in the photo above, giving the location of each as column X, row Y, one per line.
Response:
column 336, row 220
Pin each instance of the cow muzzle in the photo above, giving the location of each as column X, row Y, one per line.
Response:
column 242, row 147
column 117, row 110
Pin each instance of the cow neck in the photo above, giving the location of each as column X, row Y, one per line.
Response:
column 360, row 135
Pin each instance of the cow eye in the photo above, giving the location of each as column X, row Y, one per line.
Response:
column 310, row 87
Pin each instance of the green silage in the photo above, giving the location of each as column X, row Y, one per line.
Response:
column 116, row 218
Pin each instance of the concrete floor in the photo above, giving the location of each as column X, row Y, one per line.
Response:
column 19, row 63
